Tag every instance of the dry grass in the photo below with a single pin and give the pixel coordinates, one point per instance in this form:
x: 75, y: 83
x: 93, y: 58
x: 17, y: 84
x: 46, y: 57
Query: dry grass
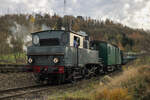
x: 113, y: 94
x: 75, y: 98
x: 133, y: 84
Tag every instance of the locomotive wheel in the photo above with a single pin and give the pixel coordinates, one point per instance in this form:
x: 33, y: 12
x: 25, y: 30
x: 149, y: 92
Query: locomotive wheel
x: 105, y: 69
x: 98, y: 70
x: 58, y: 80
x: 87, y: 75
x: 40, y: 79
x: 73, y: 79
x: 36, y: 78
x: 119, y: 67
x: 90, y: 72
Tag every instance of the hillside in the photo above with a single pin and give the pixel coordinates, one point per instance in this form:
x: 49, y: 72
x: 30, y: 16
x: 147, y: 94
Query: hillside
x: 16, y: 29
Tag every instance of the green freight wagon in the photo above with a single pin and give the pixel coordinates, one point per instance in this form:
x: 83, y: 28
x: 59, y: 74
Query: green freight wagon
x: 109, y: 54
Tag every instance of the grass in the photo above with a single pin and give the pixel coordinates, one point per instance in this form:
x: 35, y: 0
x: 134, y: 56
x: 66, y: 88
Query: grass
x: 18, y: 58
x: 132, y: 84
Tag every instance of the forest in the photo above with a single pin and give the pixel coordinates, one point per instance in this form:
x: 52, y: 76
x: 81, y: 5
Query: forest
x: 16, y: 29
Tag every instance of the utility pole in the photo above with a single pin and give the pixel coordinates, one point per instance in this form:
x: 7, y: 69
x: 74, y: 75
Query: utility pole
x: 67, y: 19
x: 64, y: 7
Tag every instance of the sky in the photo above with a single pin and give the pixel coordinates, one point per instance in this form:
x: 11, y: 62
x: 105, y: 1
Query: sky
x: 133, y: 13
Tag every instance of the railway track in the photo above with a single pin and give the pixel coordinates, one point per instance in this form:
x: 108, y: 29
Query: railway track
x: 11, y: 93
x: 5, y: 68
x: 17, y: 92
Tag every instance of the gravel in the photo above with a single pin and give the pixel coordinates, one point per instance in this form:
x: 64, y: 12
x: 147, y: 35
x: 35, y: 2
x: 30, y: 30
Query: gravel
x: 16, y: 80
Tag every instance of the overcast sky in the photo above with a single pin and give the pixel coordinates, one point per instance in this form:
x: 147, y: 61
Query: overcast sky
x: 134, y: 13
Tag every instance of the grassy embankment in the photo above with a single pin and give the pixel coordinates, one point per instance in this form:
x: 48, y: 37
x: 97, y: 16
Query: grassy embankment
x: 132, y: 84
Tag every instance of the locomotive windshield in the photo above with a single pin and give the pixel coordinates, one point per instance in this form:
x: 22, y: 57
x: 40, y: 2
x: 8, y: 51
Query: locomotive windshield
x: 49, y: 42
x: 49, y: 38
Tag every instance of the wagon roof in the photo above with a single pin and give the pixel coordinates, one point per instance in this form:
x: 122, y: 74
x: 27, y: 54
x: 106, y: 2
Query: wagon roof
x: 78, y: 33
x: 97, y: 41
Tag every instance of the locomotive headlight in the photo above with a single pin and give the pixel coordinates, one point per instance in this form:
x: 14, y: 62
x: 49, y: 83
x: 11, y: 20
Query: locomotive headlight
x: 36, y: 39
x: 30, y: 60
x: 55, y: 60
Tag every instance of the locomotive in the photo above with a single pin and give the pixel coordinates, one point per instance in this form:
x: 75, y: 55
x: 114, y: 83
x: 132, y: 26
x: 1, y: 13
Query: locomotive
x: 59, y: 56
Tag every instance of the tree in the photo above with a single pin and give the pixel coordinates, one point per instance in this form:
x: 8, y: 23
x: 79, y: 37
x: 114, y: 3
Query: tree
x: 59, y: 24
x: 17, y: 48
x: 76, y: 27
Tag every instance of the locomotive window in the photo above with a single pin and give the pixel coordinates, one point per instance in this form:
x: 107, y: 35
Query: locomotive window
x: 76, y: 41
x: 49, y: 42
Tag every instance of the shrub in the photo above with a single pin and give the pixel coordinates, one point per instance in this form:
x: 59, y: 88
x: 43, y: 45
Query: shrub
x: 113, y: 94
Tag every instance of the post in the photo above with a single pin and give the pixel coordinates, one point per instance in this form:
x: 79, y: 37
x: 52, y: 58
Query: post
x: 77, y: 55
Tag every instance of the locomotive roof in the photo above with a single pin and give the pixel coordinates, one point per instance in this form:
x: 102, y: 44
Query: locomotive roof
x: 45, y: 31
x: 78, y: 33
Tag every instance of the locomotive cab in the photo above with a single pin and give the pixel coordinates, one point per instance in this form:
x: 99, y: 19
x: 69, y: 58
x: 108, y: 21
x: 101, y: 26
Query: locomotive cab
x: 60, y: 38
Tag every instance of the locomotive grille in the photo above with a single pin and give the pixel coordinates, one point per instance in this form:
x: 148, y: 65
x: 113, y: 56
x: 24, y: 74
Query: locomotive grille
x: 49, y: 42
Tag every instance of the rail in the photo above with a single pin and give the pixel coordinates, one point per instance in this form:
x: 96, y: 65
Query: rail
x: 6, y: 68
